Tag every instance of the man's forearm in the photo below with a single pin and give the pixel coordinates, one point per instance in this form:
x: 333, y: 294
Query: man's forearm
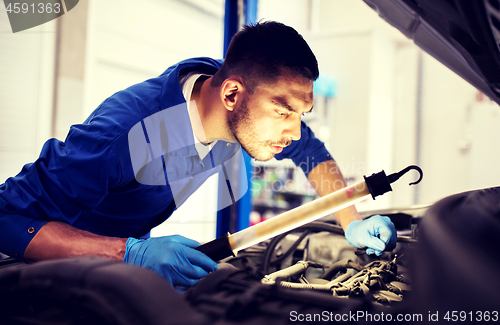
x: 327, y: 178
x: 60, y: 240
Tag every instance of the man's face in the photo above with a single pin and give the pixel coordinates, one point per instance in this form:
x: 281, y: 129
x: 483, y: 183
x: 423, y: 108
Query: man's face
x: 269, y: 119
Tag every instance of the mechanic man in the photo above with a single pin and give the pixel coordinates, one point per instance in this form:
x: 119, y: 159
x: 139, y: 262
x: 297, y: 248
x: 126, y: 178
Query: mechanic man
x: 144, y: 150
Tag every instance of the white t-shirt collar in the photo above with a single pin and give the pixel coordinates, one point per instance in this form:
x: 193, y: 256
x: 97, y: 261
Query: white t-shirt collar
x: 187, y: 82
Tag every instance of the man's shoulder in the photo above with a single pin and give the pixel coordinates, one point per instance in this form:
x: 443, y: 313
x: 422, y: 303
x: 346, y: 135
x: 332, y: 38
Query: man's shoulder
x: 202, y: 64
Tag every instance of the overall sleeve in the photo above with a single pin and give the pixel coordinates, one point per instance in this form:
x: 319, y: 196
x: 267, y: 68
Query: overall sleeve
x: 68, y: 177
x: 306, y: 153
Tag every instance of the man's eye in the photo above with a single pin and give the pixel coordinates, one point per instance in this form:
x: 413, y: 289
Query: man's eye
x: 281, y: 113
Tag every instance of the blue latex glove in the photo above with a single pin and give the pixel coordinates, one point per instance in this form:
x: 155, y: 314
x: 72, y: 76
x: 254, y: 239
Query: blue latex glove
x: 376, y: 234
x: 173, y: 257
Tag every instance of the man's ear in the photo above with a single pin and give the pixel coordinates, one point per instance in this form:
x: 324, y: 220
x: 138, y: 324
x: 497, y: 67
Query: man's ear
x: 231, y: 91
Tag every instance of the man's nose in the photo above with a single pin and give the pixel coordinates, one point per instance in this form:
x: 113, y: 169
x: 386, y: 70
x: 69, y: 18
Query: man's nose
x: 292, y: 131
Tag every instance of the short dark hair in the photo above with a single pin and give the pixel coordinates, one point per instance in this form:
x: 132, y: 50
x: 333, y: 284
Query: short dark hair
x: 259, y: 52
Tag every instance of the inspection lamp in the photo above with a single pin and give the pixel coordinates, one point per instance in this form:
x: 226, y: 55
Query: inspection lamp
x: 374, y: 185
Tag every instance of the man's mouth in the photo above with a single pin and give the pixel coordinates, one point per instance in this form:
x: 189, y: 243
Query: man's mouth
x: 276, y: 149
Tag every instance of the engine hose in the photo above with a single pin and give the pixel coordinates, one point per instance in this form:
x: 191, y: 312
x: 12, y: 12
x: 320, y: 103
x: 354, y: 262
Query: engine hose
x: 312, y: 226
x: 330, y: 286
x: 291, y: 249
x: 341, y: 265
x: 356, y: 277
x: 286, y: 273
x: 340, y: 278
x: 311, y: 286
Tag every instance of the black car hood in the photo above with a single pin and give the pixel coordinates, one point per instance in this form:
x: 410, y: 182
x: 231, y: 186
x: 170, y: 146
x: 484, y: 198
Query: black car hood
x: 464, y: 35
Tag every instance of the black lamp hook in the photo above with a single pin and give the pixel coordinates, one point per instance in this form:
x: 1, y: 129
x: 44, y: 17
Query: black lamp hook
x: 394, y: 177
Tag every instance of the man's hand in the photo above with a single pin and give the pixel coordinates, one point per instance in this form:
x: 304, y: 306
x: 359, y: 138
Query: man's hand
x: 376, y: 233
x: 173, y: 257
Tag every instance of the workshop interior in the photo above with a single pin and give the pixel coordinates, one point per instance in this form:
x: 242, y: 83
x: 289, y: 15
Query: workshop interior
x: 406, y: 102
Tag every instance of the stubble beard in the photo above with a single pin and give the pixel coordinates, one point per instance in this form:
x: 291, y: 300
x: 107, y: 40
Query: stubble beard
x: 242, y: 126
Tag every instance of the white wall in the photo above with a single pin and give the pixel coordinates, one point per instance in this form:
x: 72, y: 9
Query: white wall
x: 453, y: 120
x: 482, y: 134
x: 405, y: 121
x: 26, y: 80
x: 141, y: 42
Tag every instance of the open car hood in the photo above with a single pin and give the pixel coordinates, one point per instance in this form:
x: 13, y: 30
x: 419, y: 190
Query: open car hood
x: 464, y: 35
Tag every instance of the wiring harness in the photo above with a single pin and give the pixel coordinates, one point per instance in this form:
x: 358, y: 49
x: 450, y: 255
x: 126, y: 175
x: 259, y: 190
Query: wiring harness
x: 378, y: 279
